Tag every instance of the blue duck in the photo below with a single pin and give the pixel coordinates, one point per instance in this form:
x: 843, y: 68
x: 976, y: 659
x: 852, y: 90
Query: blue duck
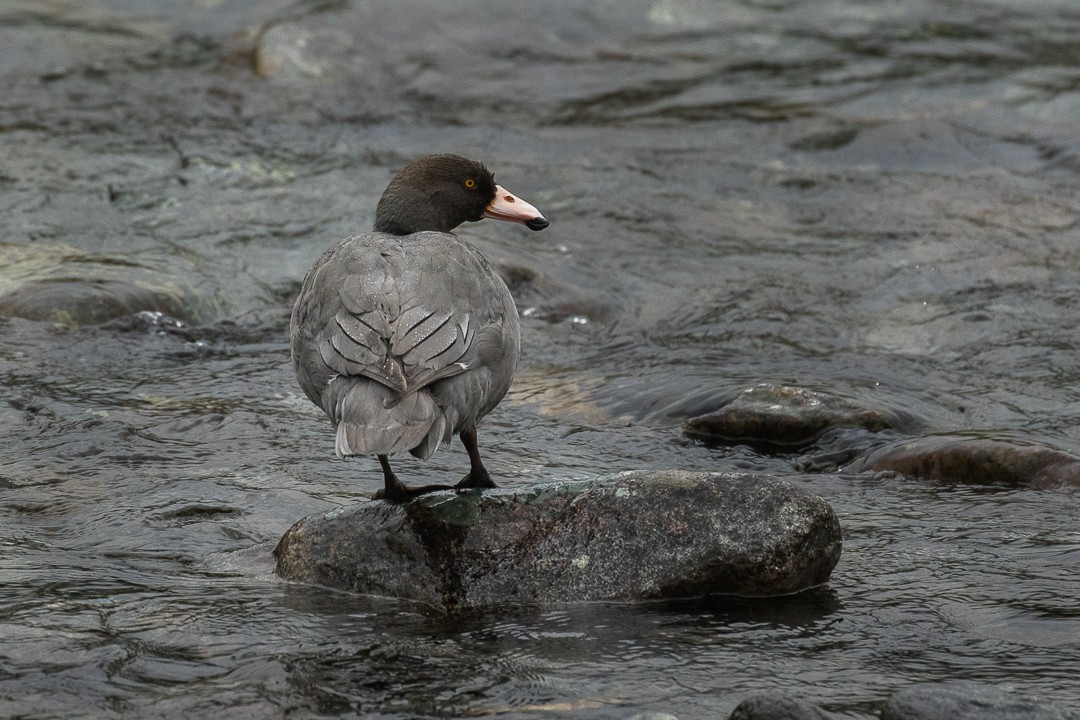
x: 406, y: 335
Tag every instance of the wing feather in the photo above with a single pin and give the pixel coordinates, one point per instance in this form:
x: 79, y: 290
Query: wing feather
x: 405, y: 313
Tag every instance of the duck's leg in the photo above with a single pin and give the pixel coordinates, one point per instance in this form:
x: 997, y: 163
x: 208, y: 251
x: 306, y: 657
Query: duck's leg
x: 393, y: 489
x: 478, y: 476
x: 396, y: 491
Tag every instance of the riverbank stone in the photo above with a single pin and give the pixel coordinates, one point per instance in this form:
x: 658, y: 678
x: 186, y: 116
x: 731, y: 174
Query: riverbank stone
x: 644, y: 535
x: 781, y: 417
x: 958, y: 458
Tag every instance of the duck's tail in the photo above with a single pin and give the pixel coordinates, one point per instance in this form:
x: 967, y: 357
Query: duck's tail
x: 372, y: 419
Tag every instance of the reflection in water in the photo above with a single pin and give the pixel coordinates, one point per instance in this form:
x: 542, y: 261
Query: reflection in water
x: 876, y: 201
x: 532, y: 659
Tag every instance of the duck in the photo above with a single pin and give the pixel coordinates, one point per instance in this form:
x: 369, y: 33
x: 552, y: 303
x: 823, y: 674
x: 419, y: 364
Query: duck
x: 406, y: 336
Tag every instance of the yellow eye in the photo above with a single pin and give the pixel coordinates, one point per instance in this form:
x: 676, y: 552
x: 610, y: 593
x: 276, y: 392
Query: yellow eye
x: 470, y: 183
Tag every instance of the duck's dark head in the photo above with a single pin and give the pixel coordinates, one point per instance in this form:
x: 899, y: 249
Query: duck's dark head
x: 439, y: 192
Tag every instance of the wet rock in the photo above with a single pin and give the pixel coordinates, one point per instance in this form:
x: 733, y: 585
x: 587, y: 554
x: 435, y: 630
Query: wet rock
x: 780, y: 707
x: 969, y: 701
x: 976, y: 460
x: 633, y: 536
x: 780, y: 417
x: 68, y: 287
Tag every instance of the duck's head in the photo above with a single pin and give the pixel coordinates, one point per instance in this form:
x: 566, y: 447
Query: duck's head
x: 439, y: 192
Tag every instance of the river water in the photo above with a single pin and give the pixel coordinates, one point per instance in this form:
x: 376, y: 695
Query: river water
x: 872, y: 198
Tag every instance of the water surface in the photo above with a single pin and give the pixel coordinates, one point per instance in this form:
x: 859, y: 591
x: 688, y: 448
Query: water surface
x: 874, y: 199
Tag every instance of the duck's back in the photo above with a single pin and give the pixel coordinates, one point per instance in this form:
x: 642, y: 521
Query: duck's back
x: 403, y: 340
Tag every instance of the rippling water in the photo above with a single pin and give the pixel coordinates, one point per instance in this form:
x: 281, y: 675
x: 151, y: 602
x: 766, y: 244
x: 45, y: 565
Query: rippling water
x: 875, y: 199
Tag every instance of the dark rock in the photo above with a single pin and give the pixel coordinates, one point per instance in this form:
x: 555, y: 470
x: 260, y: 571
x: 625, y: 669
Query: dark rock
x: 959, y: 458
x: 779, y: 417
x: 765, y: 707
x: 969, y: 701
x: 633, y: 536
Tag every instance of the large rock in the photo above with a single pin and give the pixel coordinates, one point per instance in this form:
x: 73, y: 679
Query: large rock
x: 633, y: 536
x: 958, y: 458
x: 969, y: 701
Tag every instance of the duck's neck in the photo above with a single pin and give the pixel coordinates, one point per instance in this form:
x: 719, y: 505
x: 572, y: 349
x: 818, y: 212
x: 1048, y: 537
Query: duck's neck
x: 404, y: 213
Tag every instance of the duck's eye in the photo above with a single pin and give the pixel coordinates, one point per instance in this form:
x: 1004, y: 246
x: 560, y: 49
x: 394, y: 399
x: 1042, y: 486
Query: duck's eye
x: 470, y: 183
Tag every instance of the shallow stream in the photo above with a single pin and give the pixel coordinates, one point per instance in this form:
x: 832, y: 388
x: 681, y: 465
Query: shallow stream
x: 873, y: 198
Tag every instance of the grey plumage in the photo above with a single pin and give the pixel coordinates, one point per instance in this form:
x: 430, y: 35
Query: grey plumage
x: 403, y: 341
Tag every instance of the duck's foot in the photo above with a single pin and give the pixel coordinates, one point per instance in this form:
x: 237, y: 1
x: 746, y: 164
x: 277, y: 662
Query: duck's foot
x: 476, y: 480
x: 395, y: 491
x: 405, y: 493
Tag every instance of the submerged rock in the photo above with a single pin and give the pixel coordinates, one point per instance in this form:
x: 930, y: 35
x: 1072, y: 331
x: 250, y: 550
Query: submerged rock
x: 633, y: 536
x: 68, y: 287
x: 969, y: 701
x: 85, y: 302
x: 554, y: 300
x: 779, y: 417
x: 976, y: 460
